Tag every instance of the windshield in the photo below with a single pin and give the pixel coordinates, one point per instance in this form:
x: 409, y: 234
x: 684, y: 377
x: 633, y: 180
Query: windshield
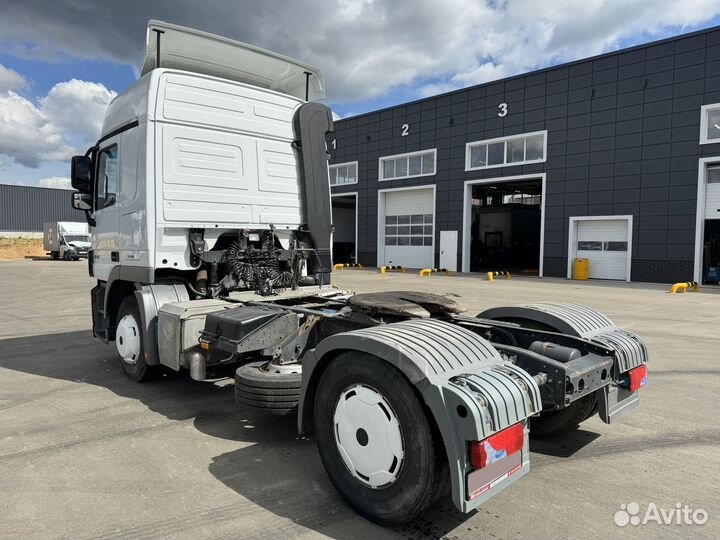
x: 76, y: 238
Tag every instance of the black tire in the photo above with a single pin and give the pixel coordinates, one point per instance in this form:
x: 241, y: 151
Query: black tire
x: 267, y: 406
x: 254, y: 375
x: 54, y: 255
x: 260, y: 390
x: 424, y: 473
x: 139, y: 371
x: 567, y: 419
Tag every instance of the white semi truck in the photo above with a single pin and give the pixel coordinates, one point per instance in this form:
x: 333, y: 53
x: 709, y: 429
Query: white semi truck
x: 67, y: 240
x: 209, y: 204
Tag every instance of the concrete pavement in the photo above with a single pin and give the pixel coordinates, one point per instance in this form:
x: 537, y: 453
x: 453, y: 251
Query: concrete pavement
x: 87, y: 453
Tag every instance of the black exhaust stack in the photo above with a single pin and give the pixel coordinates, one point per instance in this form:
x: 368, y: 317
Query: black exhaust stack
x: 312, y: 124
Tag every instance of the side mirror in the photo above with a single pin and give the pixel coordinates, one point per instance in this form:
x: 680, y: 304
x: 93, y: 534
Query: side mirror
x: 82, y: 201
x: 81, y: 174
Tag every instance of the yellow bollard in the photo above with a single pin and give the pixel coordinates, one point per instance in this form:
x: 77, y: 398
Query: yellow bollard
x: 341, y: 266
x: 683, y: 287
x: 429, y: 271
x: 492, y: 275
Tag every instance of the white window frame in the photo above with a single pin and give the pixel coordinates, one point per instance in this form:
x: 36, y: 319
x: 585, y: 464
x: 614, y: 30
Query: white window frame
x: 408, y: 155
x: 346, y: 164
x: 704, y: 110
x: 470, y: 145
x: 572, y: 239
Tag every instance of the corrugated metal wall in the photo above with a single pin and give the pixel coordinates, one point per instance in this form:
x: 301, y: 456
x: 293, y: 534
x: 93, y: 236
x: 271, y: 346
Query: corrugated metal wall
x: 26, y: 208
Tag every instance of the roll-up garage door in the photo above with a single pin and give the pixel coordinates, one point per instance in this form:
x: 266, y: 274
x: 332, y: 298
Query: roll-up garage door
x: 409, y: 228
x: 605, y: 243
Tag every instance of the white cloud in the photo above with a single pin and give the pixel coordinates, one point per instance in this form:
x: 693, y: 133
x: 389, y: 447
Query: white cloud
x: 366, y: 47
x: 55, y: 182
x: 10, y: 80
x: 32, y: 132
x: 78, y: 106
x: 336, y: 116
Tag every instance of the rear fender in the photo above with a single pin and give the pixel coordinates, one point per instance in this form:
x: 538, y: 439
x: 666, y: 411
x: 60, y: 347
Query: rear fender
x: 469, y: 390
x: 579, y: 321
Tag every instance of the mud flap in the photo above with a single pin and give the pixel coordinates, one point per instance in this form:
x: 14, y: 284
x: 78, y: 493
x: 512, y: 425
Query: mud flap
x: 614, y: 402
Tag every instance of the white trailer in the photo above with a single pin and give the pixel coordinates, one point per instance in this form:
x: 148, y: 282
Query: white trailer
x: 66, y: 240
x: 209, y: 203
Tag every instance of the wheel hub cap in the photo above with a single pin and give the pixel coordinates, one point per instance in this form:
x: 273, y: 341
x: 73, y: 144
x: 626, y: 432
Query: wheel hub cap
x: 127, y: 339
x: 368, y: 436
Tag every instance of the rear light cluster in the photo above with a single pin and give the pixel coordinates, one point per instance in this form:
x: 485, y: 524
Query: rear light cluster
x: 504, y: 443
x: 636, y: 378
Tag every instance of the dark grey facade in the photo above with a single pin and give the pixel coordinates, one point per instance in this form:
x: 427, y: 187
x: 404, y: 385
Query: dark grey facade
x: 26, y: 208
x: 623, y: 138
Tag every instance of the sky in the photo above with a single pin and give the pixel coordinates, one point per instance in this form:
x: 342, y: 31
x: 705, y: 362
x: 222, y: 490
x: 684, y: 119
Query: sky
x: 62, y: 61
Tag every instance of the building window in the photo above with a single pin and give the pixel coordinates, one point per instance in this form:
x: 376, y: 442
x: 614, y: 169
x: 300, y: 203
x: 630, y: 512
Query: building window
x: 710, y: 124
x: 713, y: 175
x: 343, y: 173
x: 506, y: 151
x: 408, y: 165
x: 409, y: 230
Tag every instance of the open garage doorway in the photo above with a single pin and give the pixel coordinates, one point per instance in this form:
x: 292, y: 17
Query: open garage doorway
x: 504, y: 225
x: 344, y: 220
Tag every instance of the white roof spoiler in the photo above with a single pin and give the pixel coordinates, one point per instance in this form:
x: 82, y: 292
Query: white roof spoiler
x: 199, y: 52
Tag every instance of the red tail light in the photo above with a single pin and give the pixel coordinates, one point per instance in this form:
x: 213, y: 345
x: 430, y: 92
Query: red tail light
x: 504, y: 443
x: 637, y: 378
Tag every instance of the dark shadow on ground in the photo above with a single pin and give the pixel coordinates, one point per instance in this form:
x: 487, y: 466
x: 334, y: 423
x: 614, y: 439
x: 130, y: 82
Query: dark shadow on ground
x: 563, y: 445
x: 281, y: 473
x: 287, y: 478
x: 78, y: 357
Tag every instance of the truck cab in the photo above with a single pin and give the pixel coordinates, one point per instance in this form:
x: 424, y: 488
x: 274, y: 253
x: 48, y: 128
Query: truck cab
x: 195, y: 158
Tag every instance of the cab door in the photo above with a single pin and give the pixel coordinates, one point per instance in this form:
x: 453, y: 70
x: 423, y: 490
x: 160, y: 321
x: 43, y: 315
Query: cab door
x: 106, y: 251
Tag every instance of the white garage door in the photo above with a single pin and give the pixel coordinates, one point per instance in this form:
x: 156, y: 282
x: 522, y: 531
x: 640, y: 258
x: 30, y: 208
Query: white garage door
x: 605, y: 243
x: 409, y: 222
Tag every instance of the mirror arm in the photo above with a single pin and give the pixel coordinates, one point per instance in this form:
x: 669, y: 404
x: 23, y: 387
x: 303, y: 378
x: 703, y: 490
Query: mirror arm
x: 89, y: 218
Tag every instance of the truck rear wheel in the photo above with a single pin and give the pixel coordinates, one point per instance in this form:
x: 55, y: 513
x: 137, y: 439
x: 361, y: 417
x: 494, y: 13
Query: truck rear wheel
x: 567, y: 419
x: 129, y: 342
x: 376, y: 441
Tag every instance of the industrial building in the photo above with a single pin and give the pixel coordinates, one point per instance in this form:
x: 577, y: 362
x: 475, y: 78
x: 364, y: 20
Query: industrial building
x: 615, y: 158
x: 24, y: 209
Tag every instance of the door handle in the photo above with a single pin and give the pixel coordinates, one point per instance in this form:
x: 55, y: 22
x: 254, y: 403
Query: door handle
x: 115, y: 256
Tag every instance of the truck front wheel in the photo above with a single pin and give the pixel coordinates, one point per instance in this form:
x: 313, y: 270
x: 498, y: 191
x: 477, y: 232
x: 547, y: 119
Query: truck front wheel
x: 129, y: 342
x: 376, y: 441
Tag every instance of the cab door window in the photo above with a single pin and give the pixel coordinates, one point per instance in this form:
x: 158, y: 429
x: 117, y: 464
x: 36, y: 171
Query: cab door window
x: 107, y: 177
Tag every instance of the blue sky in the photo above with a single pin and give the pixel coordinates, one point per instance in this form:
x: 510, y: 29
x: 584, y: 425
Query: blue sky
x: 374, y: 54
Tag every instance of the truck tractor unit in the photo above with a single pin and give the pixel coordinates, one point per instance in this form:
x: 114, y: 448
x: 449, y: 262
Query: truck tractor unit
x: 209, y: 204
x: 66, y: 240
